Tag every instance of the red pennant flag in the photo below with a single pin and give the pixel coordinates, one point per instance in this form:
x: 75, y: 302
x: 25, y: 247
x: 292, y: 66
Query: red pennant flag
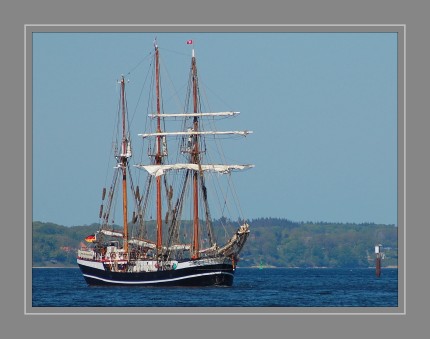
x: 189, y: 42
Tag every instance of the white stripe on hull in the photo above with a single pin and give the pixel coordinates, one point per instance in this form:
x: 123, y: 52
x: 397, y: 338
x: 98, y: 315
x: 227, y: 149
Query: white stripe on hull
x: 157, y: 281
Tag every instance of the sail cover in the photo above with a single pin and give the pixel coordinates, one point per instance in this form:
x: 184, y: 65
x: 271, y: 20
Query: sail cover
x: 157, y: 170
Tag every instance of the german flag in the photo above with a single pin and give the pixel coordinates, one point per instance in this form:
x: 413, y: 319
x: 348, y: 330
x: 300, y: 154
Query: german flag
x: 90, y: 238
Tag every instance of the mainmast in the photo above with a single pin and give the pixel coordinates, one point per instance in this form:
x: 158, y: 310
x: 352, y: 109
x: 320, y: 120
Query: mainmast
x: 195, y: 160
x: 158, y: 155
x: 125, y: 154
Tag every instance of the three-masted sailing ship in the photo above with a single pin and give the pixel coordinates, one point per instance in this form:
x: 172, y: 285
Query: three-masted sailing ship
x: 170, y: 249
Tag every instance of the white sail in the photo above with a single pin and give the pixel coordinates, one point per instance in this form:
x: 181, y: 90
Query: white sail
x: 188, y: 115
x: 157, y: 170
x: 161, y: 134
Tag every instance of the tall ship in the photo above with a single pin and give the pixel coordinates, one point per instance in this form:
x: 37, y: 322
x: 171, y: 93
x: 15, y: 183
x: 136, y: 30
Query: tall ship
x: 167, y: 236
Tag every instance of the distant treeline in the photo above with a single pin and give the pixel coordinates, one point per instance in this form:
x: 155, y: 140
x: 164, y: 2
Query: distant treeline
x: 272, y: 242
x: 283, y: 243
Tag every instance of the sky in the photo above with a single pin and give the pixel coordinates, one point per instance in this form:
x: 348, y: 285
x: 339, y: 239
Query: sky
x: 322, y: 108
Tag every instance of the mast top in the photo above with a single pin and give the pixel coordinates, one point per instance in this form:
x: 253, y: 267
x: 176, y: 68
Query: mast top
x: 191, y: 42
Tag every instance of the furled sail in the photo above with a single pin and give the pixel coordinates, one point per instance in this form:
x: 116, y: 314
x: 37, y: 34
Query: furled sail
x: 143, y: 243
x: 191, y: 132
x: 150, y: 244
x: 157, y: 170
x: 235, y: 244
x: 185, y: 247
x: 112, y: 233
x: 190, y: 115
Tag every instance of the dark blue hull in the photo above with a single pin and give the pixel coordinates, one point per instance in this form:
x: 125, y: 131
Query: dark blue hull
x: 206, y: 275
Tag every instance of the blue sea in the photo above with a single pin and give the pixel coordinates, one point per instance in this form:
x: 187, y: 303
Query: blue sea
x: 252, y: 287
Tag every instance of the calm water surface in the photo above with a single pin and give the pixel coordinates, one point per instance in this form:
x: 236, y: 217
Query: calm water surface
x: 279, y: 287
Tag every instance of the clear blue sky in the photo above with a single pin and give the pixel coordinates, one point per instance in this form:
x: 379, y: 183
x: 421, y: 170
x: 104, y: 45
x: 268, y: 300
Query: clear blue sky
x: 323, y: 108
